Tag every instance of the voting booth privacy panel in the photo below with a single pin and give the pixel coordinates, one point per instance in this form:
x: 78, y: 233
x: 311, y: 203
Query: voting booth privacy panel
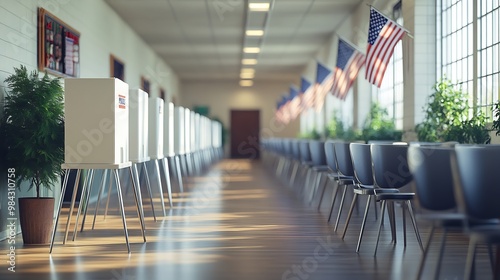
x: 138, y: 125
x: 156, y: 127
x: 96, y: 121
x: 179, y: 141
x: 168, y: 132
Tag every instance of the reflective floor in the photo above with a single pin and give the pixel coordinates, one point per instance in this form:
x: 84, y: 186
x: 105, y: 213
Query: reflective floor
x: 236, y: 222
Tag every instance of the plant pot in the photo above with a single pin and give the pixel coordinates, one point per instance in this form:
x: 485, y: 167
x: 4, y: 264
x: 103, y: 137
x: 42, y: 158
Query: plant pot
x: 36, y: 218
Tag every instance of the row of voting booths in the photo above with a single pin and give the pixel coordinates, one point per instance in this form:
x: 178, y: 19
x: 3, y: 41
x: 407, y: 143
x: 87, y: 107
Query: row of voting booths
x: 124, y: 137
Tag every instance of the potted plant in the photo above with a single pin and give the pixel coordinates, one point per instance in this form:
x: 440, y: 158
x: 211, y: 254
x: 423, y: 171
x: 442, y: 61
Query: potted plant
x: 33, y: 130
x: 447, y: 117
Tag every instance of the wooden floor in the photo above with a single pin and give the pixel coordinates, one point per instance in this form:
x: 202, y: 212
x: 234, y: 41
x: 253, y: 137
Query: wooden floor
x: 236, y: 222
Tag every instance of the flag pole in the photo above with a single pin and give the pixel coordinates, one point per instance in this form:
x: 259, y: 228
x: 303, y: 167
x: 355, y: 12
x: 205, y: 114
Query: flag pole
x: 388, y: 18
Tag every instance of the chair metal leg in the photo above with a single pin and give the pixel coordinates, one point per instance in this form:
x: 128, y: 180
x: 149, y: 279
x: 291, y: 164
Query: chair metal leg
x: 294, y: 173
x: 122, y: 208
x: 375, y: 206
x: 340, y: 209
x: 322, y: 193
x: 392, y: 220
x: 101, y: 190
x: 148, y: 186
x: 314, y: 189
x: 334, y: 197
x: 380, y: 226
x: 354, y: 200
x: 403, y: 212
x: 441, y: 251
x: 424, y: 255
x: 414, y: 222
x: 59, y: 207
x: 469, y: 264
x: 361, y: 231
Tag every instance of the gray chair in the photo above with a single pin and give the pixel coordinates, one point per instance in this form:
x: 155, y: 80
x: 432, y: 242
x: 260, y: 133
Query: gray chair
x: 390, y: 171
x: 475, y: 176
x: 431, y: 170
x: 362, y: 164
x: 318, y: 167
x: 345, y: 169
x: 334, y: 175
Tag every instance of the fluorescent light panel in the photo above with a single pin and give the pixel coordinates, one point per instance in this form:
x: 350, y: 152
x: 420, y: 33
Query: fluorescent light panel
x: 259, y: 7
x: 249, y: 61
x: 255, y: 32
x: 246, y: 83
x: 247, y: 75
x: 248, y: 70
x: 251, y: 50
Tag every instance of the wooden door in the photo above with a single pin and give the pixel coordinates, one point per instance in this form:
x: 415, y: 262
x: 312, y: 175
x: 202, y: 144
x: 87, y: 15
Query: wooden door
x: 245, y: 127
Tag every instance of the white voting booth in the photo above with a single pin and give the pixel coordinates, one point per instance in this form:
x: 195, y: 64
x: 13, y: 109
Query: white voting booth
x: 169, y: 148
x: 139, y: 126
x: 96, y: 122
x: 156, y: 126
x: 96, y: 138
x: 180, y: 134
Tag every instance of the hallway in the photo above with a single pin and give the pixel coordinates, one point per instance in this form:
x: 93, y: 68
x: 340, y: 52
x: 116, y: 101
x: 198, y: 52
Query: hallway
x: 235, y: 223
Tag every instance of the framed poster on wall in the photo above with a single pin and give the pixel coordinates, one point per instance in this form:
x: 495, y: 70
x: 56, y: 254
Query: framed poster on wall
x: 58, y: 46
x: 117, y: 68
x: 145, y: 85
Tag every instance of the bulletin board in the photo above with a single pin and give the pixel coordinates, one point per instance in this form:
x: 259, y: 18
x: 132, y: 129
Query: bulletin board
x: 58, y: 46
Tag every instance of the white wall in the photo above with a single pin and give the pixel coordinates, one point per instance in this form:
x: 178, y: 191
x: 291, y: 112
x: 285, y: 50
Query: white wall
x: 222, y: 97
x: 103, y: 33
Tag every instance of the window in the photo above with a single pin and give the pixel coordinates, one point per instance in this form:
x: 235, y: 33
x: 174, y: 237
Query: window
x: 469, y: 32
x: 390, y: 93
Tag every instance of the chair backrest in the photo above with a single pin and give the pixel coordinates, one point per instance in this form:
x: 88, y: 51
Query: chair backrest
x: 317, y: 149
x: 477, y: 183
x: 287, y: 146
x: 305, y: 154
x: 296, y: 149
x: 362, y: 163
x: 344, y: 161
x: 431, y: 170
x: 390, y: 165
x: 331, y: 161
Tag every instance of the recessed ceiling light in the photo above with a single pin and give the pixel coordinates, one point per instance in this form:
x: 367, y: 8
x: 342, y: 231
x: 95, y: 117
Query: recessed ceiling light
x: 249, y: 61
x: 259, y: 7
x: 251, y: 50
x: 247, y: 75
x: 248, y: 70
x: 255, y: 32
x: 246, y: 83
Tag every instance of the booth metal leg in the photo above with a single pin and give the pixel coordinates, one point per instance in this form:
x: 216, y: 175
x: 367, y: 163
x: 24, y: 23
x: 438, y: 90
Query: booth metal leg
x: 122, y: 209
x: 160, y: 187
x: 72, y: 206
x: 167, y: 180
x: 61, y: 199
x: 148, y: 185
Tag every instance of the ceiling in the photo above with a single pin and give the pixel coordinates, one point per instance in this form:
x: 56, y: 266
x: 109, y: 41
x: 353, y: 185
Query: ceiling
x: 204, y: 39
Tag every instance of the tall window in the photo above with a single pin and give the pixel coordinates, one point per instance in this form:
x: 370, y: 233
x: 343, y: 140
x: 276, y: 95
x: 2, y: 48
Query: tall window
x: 390, y: 93
x: 469, y: 32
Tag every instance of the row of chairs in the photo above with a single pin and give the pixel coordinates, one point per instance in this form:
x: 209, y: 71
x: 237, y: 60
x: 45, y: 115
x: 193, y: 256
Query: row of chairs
x: 454, y: 185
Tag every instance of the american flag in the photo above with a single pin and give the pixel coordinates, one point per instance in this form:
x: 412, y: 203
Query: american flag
x: 324, y: 83
x: 294, y: 107
x: 280, y: 114
x: 349, y: 62
x: 307, y: 92
x: 383, y: 35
